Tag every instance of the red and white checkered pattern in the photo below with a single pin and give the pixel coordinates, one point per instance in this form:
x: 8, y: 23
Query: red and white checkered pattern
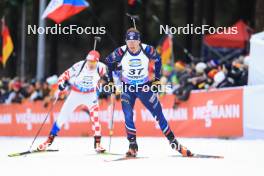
x: 96, y: 126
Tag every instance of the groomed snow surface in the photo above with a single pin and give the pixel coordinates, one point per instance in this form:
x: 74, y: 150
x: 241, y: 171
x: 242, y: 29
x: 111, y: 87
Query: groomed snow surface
x: 76, y: 157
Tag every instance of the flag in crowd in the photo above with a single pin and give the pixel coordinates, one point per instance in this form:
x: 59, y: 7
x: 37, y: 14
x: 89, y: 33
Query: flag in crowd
x: 165, y: 49
x: 7, y: 43
x: 60, y: 10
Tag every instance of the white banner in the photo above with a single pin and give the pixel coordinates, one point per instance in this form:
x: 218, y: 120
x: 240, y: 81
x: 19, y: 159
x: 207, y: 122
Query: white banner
x: 253, y: 99
x: 256, y: 60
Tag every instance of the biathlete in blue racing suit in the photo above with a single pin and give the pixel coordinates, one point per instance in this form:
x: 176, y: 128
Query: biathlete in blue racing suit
x: 133, y: 60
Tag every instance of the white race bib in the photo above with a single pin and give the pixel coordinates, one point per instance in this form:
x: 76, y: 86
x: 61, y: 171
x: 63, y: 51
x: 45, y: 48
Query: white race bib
x: 135, y: 68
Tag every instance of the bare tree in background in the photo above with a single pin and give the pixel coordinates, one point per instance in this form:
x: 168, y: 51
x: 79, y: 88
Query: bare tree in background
x: 259, y: 16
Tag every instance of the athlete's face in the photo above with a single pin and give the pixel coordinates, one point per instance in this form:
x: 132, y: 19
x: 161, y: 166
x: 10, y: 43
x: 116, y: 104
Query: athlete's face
x: 133, y: 45
x: 91, y: 65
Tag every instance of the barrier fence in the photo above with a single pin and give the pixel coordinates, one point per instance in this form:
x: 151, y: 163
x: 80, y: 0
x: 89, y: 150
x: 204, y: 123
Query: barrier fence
x: 216, y: 113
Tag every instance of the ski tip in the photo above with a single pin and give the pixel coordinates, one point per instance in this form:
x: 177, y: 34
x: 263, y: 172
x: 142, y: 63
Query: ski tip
x: 52, y: 150
x: 199, y: 156
x: 109, y: 153
x: 30, y: 152
x: 106, y: 153
x: 208, y: 156
x: 13, y: 154
x: 125, y: 158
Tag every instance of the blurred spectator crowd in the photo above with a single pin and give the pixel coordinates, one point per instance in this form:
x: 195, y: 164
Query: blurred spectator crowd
x: 17, y: 90
x: 204, y: 75
x: 182, y: 77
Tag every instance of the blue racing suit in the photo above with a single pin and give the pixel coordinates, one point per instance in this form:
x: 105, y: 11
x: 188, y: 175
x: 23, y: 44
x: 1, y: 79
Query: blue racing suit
x: 134, y: 72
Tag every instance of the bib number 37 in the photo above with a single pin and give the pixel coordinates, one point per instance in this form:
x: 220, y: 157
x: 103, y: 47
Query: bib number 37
x: 135, y: 71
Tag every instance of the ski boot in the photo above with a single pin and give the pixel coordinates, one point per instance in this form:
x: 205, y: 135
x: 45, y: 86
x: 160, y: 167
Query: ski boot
x: 133, y: 148
x: 97, y: 145
x: 180, y: 148
x: 46, y: 144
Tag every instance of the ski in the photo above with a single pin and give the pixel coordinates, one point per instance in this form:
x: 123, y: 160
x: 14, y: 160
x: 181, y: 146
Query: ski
x: 109, y: 153
x: 125, y: 158
x: 106, y: 154
x: 31, y: 152
x: 208, y: 156
x: 200, y: 156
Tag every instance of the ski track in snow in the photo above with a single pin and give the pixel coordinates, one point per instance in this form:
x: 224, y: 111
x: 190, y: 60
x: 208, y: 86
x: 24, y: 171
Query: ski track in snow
x: 77, y: 157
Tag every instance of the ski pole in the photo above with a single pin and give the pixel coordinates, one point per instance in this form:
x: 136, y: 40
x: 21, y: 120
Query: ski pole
x: 111, y: 121
x: 96, y: 39
x: 44, y: 121
x: 133, y: 18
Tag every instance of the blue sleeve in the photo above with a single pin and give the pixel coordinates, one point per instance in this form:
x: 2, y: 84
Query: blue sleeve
x: 153, y: 55
x: 112, y: 60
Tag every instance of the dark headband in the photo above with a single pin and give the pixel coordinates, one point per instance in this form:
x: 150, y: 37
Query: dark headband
x: 132, y: 35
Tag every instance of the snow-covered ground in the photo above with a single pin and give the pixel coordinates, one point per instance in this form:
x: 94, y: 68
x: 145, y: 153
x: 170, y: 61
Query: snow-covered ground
x: 76, y: 157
